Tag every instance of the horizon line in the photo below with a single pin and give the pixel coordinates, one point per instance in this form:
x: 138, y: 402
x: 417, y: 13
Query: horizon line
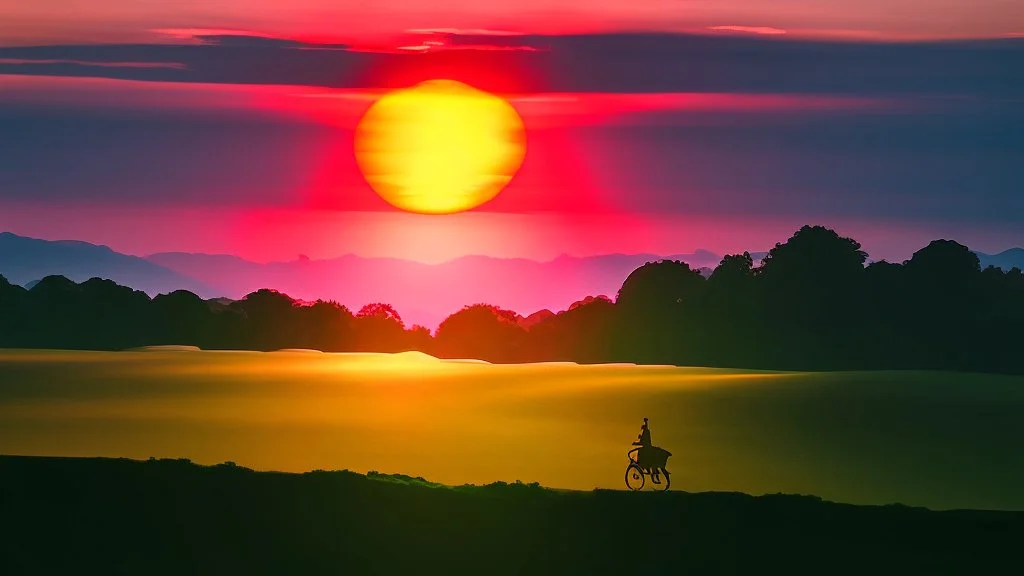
x: 563, y: 255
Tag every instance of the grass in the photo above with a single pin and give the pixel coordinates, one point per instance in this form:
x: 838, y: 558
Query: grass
x: 85, y: 516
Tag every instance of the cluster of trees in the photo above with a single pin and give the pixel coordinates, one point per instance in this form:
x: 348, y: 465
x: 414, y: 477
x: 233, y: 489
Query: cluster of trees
x: 811, y: 304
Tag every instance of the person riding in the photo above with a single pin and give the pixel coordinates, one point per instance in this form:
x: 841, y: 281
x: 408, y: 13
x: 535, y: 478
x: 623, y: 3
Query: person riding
x: 644, y: 439
x: 644, y: 442
x: 650, y: 458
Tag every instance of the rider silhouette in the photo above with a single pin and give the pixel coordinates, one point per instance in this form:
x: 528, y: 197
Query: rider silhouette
x: 644, y: 442
x: 650, y: 458
x: 644, y: 439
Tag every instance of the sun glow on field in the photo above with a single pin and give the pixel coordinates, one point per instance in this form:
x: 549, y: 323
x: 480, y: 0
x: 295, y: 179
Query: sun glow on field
x: 861, y: 437
x: 439, y: 147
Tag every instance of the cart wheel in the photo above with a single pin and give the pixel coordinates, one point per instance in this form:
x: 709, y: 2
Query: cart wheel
x: 634, y: 477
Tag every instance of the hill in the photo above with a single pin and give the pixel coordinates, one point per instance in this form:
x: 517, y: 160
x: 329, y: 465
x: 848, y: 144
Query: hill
x: 25, y: 261
x: 117, y: 516
x: 1007, y: 259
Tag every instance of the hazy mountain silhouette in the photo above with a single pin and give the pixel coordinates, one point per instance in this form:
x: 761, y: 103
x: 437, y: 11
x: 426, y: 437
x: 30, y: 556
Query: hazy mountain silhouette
x: 1007, y: 259
x: 519, y: 284
x: 25, y: 261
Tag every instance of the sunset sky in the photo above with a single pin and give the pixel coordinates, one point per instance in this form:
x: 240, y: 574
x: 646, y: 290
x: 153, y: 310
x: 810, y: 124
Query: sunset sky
x: 722, y: 125
x: 104, y: 20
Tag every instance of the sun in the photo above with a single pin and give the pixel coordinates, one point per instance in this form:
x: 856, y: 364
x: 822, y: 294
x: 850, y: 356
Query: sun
x: 439, y: 147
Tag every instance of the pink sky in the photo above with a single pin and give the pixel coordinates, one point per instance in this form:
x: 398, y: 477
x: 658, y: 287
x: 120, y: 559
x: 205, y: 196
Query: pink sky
x: 567, y: 199
x: 117, y: 20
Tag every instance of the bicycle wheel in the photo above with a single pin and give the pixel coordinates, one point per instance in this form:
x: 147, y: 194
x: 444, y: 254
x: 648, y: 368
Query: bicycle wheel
x: 634, y: 477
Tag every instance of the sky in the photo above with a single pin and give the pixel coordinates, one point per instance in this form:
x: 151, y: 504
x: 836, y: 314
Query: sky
x: 101, y: 20
x: 652, y: 126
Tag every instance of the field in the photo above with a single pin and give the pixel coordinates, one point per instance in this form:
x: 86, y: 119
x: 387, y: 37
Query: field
x: 940, y: 440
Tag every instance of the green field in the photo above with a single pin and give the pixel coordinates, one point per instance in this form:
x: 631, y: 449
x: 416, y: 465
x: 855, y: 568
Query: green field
x: 941, y: 440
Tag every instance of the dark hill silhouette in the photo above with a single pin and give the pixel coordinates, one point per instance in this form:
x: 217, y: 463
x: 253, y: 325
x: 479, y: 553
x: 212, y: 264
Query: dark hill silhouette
x: 117, y: 516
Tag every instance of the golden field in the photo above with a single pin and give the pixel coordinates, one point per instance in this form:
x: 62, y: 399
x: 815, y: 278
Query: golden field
x: 941, y: 440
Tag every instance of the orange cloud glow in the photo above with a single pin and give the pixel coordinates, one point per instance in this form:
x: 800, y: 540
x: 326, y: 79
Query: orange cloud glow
x: 764, y: 30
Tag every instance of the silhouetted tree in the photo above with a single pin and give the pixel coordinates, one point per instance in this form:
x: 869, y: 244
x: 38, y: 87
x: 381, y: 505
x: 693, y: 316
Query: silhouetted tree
x: 326, y: 326
x: 731, y: 329
x: 112, y: 314
x: 812, y: 298
x: 659, y: 305
x: 181, y: 318
x: 270, y: 320
x: 886, y: 296
x: 55, y: 303
x: 481, y: 331
x: 582, y: 333
x: 420, y: 338
x: 944, y: 281
x: 14, y: 313
x: 379, y: 328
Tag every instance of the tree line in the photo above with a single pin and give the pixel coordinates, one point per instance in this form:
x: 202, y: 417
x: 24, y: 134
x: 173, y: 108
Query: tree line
x: 810, y: 304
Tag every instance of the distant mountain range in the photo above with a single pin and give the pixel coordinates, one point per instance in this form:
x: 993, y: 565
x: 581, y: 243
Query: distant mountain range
x: 1007, y: 259
x: 422, y: 293
x: 25, y: 260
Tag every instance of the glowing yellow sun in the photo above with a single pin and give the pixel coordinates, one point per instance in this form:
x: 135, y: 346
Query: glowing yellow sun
x: 439, y: 147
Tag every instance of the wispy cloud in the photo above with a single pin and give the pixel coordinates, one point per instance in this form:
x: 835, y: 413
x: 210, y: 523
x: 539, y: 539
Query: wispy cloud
x: 143, y: 65
x: 436, y: 46
x: 437, y: 39
x: 763, y: 30
x: 643, y: 63
x: 197, y: 34
x: 464, y: 31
